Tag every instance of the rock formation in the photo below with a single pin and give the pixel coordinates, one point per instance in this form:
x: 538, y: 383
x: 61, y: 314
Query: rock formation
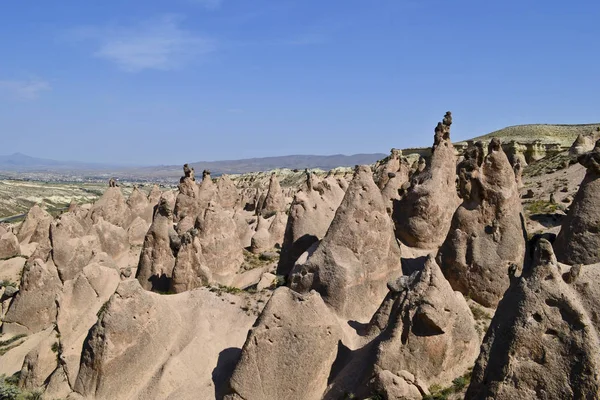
x: 311, y: 213
x: 190, y: 269
x: 289, y: 352
x: 36, y: 227
x: 486, y: 236
x: 424, y: 213
x: 112, y: 207
x: 581, y: 145
x: 578, y: 241
x: 274, y: 201
x: 358, y: 255
x: 541, y: 343
x: 148, y: 346
x: 161, y: 244
x: 227, y: 193
x: 9, y: 245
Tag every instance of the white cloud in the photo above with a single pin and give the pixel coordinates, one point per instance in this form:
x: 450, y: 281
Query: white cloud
x: 24, y: 90
x: 160, y: 44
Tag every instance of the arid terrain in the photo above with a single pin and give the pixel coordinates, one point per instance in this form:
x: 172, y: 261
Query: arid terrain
x: 466, y: 270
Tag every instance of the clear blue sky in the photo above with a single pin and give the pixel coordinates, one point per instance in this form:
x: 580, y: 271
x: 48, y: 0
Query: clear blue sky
x: 172, y: 81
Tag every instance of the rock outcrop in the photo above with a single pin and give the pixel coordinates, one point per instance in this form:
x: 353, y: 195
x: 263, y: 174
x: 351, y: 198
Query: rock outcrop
x: 148, y: 346
x: 161, y: 244
x: 289, y: 352
x: 358, y: 255
x: 34, y: 306
x: 227, y: 193
x: 36, y: 227
x: 112, y: 207
x: 274, y: 201
x: 542, y: 343
x: 311, y: 213
x: 424, y: 213
x: 9, y: 245
x: 486, y: 236
x: 578, y: 241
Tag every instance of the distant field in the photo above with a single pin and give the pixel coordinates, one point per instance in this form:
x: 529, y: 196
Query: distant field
x: 17, y: 197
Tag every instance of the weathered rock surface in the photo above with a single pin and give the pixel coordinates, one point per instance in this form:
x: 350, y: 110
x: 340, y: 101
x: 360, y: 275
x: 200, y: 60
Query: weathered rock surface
x: 311, y: 213
x: 578, y: 241
x: 112, y: 207
x: 113, y: 239
x: 541, y: 343
x: 9, y: 245
x: 227, y: 193
x: 139, y: 205
x: 137, y: 231
x: 269, y: 233
x: 426, y: 328
x: 424, y: 214
x: 486, y: 236
x: 36, y: 227
x: 161, y: 244
x: 148, y: 346
x: 190, y: 269
x: 359, y: 254
x: 289, y: 352
x: 274, y: 201
x: 34, y: 307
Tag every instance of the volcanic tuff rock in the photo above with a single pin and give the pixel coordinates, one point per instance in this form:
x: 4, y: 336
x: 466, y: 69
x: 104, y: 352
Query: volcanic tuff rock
x: 217, y: 235
x: 190, y: 269
x: 34, y: 307
x: 274, y: 200
x: 269, y: 233
x: 9, y: 245
x: 36, y: 227
x: 139, y: 205
x: 424, y: 213
x: 227, y: 193
x: 148, y: 346
x: 112, y: 207
x: 357, y: 256
x: 541, y: 343
x: 579, y: 239
x: 486, y: 236
x: 311, y: 213
x: 289, y: 352
x: 426, y: 329
x: 582, y: 145
x: 158, y: 252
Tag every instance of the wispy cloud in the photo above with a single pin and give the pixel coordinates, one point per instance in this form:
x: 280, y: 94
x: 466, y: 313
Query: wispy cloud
x: 210, y: 4
x: 24, y: 90
x: 160, y: 44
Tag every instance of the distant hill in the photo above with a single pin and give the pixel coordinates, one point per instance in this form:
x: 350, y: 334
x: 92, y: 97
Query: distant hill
x: 22, y: 162
x: 564, y: 135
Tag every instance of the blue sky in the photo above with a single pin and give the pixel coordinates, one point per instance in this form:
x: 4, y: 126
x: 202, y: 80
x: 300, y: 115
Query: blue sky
x: 174, y: 81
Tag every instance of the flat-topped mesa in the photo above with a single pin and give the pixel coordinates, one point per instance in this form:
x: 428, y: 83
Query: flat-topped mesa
x: 274, y: 201
x: 486, y: 235
x: 311, y: 213
x: 424, y: 213
x: 350, y: 267
x: 579, y: 238
x: 543, y: 340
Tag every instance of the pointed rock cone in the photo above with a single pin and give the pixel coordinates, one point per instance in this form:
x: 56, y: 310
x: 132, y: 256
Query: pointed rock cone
x: 161, y: 244
x: 112, y: 207
x: 154, y: 195
x: 227, y: 193
x: 359, y: 254
x: 137, y: 202
x: 311, y: 213
x: 541, y: 342
x: 426, y: 329
x: 581, y: 145
x: 289, y: 352
x: 424, y: 214
x: 486, y: 236
x: 578, y: 241
x: 274, y: 201
x: 36, y: 227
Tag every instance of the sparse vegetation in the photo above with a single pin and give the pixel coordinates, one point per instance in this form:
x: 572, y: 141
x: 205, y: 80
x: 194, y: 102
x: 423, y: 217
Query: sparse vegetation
x: 13, y: 339
x: 458, y: 384
x: 541, y: 207
x: 9, y: 389
x: 478, y: 312
x: 220, y: 289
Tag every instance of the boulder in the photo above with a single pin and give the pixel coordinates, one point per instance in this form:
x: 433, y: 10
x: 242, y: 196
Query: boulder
x: 358, y: 255
x: 541, y: 343
x: 311, y: 213
x: 289, y: 352
x: 578, y: 241
x: 9, y: 245
x: 424, y: 214
x: 486, y: 237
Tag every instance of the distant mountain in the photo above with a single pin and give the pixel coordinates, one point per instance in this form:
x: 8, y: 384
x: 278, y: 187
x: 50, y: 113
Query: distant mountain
x: 18, y: 163
x: 22, y: 162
